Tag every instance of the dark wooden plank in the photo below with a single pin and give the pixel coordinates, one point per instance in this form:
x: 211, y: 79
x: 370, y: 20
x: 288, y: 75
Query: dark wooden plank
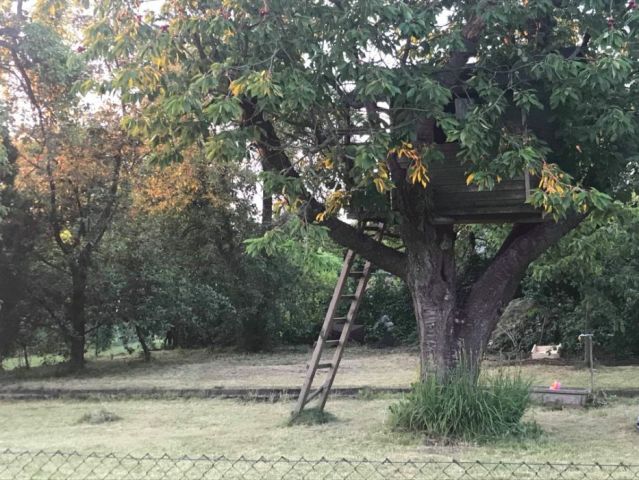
x: 495, y: 219
x: 457, y: 187
x: 474, y: 203
x: 486, y: 211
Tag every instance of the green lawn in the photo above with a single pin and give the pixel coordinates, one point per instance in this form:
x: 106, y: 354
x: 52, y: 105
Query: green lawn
x: 237, y: 428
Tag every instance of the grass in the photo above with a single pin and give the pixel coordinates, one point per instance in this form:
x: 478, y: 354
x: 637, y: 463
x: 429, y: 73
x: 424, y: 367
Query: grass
x: 360, y: 429
x: 464, y: 408
x: 53, y: 359
x: 360, y: 367
x: 310, y: 417
x: 101, y: 415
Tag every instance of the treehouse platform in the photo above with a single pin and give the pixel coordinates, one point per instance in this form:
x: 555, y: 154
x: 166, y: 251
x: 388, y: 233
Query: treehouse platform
x: 456, y: 202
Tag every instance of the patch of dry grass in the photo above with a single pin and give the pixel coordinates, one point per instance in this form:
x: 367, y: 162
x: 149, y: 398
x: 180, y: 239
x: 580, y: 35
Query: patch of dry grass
x: 98, y: 416
x: 360, y: 367
x: 234, y: 428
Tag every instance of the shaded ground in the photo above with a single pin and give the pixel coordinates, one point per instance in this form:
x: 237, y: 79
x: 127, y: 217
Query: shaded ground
x: 284, y: 369
x: 246, y: 428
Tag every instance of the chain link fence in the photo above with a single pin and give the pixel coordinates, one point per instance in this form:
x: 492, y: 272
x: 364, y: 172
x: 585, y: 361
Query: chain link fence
x: 17, y: 465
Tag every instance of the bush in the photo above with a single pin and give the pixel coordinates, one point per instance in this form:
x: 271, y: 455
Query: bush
x: 388, y: 298
x: 464, y: 408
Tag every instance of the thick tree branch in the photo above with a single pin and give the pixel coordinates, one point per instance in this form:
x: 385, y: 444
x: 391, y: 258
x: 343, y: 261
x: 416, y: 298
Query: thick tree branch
x: 274, y: 158
x: 499, y: 282
x: 382, y: 256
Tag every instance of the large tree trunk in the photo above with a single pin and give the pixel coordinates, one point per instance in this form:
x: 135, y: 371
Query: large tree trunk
x: 76, y: 314
x: 430, y: 276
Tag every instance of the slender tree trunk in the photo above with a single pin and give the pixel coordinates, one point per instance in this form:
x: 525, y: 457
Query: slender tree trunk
x: 26, y: 357
x: 143, y: 344
x: 267, y: 209
x: 76, y: 314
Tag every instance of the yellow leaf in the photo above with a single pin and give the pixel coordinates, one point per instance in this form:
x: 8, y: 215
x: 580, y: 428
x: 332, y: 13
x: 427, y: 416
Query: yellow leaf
x: 327, y: 163
x: 236, y: 88
x: 66, y: 236
x: 469, y: 178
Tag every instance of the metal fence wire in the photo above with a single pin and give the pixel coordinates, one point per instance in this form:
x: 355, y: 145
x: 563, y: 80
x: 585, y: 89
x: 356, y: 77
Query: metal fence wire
x: 23, y: 464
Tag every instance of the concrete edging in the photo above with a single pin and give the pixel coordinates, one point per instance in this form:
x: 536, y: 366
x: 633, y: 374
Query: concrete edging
x: 264, y: 394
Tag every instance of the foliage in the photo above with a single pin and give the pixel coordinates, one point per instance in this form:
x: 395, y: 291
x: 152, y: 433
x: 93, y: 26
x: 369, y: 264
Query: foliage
x: 388, y: 297
x: 202, y: 68
x: 589, y: 283
x: 464, y: 408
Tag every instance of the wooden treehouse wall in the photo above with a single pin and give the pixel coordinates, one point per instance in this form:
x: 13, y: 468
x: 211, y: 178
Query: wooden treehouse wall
x: 456, y: 202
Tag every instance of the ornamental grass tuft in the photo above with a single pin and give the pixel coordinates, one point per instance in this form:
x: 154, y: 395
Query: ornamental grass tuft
x: 464, y: 408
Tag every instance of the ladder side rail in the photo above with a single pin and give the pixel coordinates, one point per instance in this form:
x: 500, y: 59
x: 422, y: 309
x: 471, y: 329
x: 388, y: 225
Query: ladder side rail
x: 350, y: 320
x: 326, y: 329
x: 343, y: 339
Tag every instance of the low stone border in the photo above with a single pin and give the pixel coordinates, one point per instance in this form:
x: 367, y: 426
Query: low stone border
x: 263, y: 394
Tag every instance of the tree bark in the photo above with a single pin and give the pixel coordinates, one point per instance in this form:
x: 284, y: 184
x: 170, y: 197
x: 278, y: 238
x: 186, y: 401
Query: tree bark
x: 267, y: 209
x: 76, y: 313
x: 430, y: 277
x: 143, y: 344
x: 25, y: 353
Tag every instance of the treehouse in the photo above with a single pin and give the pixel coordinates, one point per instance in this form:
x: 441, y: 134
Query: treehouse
x: 453, y: 200
x: 456, y: 202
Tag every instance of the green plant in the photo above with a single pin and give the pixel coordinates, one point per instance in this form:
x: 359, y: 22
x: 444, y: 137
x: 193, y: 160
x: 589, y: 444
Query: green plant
x: 465, y: 408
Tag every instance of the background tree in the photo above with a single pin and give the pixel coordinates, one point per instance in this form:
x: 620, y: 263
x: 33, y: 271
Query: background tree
x: 15, y: 245
x: 328, y: 94
x: 589, y: 284
x: 71, y: 158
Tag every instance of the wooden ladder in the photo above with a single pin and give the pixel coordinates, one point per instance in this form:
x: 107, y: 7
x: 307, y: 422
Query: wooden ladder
x: 317, y: 363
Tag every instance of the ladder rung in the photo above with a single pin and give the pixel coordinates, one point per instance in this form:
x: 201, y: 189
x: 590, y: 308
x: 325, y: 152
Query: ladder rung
x: 314, y: 394
x: 356, y: 274
x: 328, y: 343
x: 324, y: 365
x: 350, y: 296
x: 340, y: 319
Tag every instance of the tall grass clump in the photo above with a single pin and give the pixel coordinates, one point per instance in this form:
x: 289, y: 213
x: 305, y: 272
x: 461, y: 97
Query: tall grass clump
x: 464, y: 408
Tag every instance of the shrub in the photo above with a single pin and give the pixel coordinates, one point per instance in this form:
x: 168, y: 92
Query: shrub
x: 464, y: 408
x: 388, y: 297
